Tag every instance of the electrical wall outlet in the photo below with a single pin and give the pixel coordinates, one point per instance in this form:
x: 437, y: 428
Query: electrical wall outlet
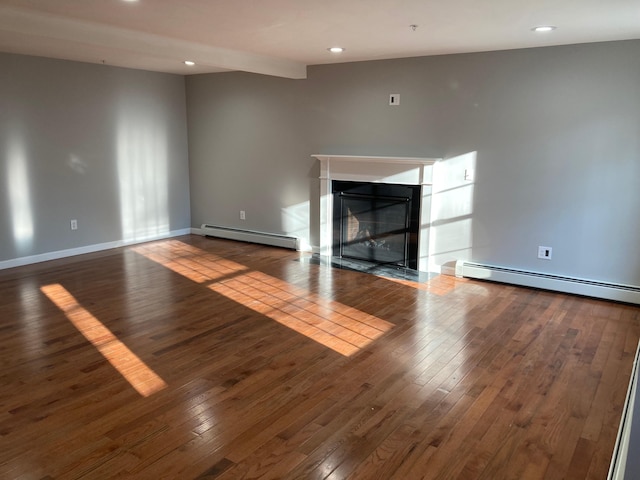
x: 74, y: 224
x: 243, y: 216
x: 545, y: 253
x: 468, y: 174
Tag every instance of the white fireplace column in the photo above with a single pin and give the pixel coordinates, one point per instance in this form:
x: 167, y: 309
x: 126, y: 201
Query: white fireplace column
x: 395, y: 170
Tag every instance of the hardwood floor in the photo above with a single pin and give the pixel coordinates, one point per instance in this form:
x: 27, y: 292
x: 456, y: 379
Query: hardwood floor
x: 196, y: 358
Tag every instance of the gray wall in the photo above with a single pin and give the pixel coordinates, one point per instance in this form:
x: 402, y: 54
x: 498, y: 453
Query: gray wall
x: 552, y: 135
x: 106, y: 146
x: 250, y: 152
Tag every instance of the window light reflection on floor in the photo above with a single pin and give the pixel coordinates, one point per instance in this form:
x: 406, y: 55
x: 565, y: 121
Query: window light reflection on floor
x: 135, y: 371
x: 344, y: 329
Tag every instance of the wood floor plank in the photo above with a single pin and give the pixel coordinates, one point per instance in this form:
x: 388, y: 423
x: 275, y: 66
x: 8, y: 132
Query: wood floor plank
x: 276, y: 367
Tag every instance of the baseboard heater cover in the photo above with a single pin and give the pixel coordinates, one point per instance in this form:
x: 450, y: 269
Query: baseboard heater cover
x: 271, y: 239
x: 578, y: 286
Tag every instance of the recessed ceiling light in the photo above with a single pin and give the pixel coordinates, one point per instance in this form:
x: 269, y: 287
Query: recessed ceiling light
x: 189, y: 62
x: 544, y: 28
x: 336, y: 49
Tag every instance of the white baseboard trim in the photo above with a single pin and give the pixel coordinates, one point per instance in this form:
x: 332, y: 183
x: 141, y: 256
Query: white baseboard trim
x: 45, y: 257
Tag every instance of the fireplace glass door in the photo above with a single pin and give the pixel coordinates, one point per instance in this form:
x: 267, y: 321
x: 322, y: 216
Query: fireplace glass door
x: 374, y: 228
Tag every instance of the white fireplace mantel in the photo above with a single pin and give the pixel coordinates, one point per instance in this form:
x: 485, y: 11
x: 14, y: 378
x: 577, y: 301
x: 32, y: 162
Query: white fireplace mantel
x: 396, y: 170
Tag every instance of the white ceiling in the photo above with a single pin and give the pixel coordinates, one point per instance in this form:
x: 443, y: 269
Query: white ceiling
x: 282, y: 37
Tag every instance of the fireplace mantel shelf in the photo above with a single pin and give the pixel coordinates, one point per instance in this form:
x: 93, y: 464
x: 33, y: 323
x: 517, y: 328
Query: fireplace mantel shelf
x: 377, y: 159
x: 406, y: 170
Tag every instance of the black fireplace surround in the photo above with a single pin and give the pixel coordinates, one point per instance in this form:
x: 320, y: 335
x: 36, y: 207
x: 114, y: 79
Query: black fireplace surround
x: 376, y: 222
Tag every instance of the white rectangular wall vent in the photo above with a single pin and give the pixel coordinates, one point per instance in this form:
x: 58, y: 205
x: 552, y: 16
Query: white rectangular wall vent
x: 578, y: 286
x: 272, y: 239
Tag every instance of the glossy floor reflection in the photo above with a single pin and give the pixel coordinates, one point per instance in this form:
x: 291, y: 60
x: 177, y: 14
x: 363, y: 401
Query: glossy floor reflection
x: 257, y: 362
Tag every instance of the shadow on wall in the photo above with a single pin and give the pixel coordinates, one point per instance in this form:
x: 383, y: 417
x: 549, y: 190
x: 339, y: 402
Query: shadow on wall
x: 451, y: 233
x: 142, y: 173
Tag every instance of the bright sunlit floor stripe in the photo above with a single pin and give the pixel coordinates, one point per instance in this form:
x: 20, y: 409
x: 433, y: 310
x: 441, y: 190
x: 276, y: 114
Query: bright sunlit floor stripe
x: 134, y: 370
x: 332, y: 324
x: 346, y: 334
x: 189, y: 261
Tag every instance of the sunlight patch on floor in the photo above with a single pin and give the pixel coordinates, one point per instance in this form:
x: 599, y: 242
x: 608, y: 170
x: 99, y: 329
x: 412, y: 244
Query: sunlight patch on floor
x: 135, y: 371
x: 440, y: 285
x: 190, y: 262
x: 344, y: 329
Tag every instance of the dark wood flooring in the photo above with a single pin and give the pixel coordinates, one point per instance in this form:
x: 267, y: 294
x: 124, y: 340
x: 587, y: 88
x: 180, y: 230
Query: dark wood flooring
x: 196, y: 358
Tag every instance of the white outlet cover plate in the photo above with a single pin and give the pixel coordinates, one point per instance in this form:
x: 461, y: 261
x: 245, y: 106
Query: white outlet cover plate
x: 394, y: 99
x: 545, y: 253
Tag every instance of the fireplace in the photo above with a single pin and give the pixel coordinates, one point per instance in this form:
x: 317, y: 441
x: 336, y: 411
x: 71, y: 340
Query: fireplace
x: 414, y: 174
x: 376, y: 222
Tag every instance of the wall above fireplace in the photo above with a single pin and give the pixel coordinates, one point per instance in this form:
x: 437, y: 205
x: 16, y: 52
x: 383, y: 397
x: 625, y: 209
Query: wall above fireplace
x: 374, y: 169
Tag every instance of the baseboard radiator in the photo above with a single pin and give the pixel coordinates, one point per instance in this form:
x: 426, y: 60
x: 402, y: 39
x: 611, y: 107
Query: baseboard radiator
x: 272, y: 239
x: 589, y: 288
